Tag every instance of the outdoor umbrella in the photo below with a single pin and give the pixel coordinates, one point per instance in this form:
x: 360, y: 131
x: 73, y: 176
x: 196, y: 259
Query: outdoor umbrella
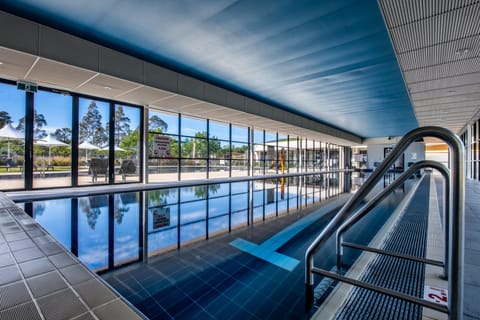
x: 10, y: 133
x: 50, y: 142
x: 87, y: 146
x: 117, y: 148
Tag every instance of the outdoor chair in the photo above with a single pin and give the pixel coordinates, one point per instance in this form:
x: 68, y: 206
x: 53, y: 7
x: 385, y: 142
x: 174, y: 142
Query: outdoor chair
x: 97, y: 167
x: 11, y: 164
x: 127, y: 167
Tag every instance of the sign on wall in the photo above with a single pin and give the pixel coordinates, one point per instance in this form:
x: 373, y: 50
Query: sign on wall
x: 161, y: 147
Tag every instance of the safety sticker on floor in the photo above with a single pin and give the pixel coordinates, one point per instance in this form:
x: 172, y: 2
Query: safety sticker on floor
x: 436, y: 295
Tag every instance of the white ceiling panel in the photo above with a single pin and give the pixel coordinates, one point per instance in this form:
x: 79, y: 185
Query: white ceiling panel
x: 445, y: 83
x: 58, y: 75
x: 107, y: 86
x: 446, y: 92
x: 15, y: 64
x: 452, y: 69
x: 438, y: 48
x: 143, y: 95
x: 451, y: 24
x: 175, y: 101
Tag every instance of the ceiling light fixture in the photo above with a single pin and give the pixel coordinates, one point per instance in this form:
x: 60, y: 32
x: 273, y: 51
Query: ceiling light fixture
x: 107, y: 88
x: 462, y: 51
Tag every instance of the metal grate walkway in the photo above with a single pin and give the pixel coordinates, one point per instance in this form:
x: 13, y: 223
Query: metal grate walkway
x: 408, y: 237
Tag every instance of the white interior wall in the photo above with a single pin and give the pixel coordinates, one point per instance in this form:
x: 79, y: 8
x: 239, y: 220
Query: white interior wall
x: 414, y: 153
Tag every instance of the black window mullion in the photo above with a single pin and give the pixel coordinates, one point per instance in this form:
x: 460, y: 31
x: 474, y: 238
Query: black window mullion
x: 75, y: 140
x: 178, y: 217
x: 179, y: 156
x: 29, y: 137
x: 142, y: 145
x: 206, y: 209
x: 74, y: 227
x: 111, y: 144
x: 230, y: 149
x: 111, y: 235
x: 207, y: 157
x: 141, y: 230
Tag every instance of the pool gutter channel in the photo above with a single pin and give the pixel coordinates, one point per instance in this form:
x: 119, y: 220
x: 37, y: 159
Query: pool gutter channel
x: 336, y: 301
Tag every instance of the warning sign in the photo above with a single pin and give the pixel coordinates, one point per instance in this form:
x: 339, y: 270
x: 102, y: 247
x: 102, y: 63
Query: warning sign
x: 436, y: 295
x: 161, y: 147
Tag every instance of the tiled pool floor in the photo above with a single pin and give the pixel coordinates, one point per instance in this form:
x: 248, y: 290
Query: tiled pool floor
x: 220, y: 279
x: 214, y: 280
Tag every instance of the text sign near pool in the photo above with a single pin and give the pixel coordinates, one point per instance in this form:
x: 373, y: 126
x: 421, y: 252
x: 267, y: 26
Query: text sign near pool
x: 436, y: 295
x: 161, y: 218
x: 161, y: 147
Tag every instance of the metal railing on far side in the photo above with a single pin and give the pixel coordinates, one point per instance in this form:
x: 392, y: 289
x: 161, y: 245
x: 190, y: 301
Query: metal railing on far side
x: 382, y: 195
x: 455, y: 232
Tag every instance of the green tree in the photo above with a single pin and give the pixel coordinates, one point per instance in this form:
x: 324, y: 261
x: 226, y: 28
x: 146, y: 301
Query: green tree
x: 38, y: 124
x: 215, y: 147
x: 156, y: 124
x: 91, y: 128
x: 63, y: 134
x: 122, y: 125
x: 131, y: 142
x: 5, y: 119
x: 197, y: 147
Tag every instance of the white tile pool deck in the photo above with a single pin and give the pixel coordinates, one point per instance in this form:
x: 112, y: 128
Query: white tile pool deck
x: 40, y: 279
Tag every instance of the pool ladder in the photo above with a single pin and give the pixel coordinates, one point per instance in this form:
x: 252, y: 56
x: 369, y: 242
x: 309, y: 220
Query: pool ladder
x: 453, y: 223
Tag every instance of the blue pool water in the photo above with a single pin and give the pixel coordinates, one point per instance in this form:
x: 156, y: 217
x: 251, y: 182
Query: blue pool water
x: 211, y: 279
x: 109, y: 230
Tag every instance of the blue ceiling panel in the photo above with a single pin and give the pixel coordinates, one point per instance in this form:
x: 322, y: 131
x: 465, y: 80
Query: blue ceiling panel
x: 331, y: 60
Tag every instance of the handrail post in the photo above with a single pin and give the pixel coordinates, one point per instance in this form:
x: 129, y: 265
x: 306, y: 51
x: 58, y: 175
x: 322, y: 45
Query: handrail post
x: 456, y: 228
x: 384, y: 193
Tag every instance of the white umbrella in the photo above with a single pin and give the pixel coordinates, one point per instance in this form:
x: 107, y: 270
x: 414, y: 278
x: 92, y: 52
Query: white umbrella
x: 87, y: 146
x: 10, y: 133
x: 50, y: 142
x: 117, y: 148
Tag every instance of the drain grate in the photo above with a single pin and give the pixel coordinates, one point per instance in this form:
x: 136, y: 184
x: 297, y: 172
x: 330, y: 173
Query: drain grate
x: 408, y: 237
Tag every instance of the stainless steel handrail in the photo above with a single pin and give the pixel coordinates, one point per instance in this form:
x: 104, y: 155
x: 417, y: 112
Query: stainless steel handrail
x: 385, y: 192
x: 456, y: 228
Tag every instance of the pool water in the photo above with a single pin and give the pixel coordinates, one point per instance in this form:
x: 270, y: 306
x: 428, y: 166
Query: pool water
x: 106, y: 231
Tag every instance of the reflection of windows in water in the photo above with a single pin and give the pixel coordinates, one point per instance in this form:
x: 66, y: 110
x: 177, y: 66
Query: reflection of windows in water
x: 161, y: 217
x: 98, y: 201
x: 128, y: 198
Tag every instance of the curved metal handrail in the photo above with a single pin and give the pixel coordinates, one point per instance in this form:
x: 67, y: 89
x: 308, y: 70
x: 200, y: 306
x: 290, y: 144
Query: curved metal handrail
x: 456, y: 229
x: 385, y: 192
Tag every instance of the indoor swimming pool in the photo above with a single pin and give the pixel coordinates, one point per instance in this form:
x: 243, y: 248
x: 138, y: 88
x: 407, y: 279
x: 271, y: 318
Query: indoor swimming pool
x: 132, y: 240
x: 109, y: 230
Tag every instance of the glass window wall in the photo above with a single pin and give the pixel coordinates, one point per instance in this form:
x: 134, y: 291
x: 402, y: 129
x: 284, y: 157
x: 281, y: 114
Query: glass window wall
x: 107, y: 138
x: 52, y: 151
x: 127, y: 144
x: 12, y: 137
x: 219, y: 150
x: 163, y: 146
x: 93, y: 164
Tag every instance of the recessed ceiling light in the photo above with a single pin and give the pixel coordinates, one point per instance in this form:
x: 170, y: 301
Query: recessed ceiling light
x: 1, y: 62
x: 462, y: 51
x: 107, y: 88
